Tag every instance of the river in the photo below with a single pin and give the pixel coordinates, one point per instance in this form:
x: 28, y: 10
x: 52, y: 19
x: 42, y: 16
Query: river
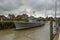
x: 37, y: 33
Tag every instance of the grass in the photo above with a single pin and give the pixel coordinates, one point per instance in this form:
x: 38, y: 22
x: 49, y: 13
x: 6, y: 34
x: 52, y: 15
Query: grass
x: 57, y: 35
x: 12, y: 21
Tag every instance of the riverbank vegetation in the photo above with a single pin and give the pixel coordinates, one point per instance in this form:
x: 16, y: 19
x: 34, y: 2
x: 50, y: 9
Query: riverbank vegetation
x: 6, y: 25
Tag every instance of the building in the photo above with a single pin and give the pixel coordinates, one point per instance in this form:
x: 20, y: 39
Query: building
x: 21, y: 17
x: 18, y: 17
x: 2, y: 17
x: 24, y: 16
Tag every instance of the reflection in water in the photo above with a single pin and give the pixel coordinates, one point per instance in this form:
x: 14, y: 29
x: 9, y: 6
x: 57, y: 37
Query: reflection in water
x: 37, y: 33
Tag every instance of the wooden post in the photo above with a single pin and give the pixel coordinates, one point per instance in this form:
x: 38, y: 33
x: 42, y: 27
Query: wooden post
x: 51, y: 28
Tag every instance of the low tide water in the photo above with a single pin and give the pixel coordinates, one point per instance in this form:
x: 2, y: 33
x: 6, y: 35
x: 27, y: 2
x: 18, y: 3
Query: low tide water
x: 37, y: 33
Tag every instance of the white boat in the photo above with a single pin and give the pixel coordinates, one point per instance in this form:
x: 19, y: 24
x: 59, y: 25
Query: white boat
x: 31, y: 23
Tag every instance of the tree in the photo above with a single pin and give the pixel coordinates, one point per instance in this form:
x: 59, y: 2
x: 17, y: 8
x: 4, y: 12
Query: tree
x: 19, y: 17
x: 11, y: 16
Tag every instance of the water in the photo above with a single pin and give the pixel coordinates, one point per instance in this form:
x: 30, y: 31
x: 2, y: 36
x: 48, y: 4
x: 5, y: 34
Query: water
x: 37, y: 33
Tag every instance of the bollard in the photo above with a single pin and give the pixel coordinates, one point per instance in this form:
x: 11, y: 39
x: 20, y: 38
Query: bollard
x: 51, y: 28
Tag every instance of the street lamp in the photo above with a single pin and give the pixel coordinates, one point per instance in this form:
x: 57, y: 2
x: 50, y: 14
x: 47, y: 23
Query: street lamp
x: 55, y: 8
x: 53, y: 28
x: 55, y: 20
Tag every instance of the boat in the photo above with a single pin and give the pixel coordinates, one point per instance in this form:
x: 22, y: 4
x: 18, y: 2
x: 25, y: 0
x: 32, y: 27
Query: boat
x: 30, y: 22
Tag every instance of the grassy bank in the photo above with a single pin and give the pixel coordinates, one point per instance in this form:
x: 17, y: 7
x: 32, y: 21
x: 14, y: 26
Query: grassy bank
x: 6, y: 25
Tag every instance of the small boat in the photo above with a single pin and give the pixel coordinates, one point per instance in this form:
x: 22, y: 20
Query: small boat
x: 31, y: 22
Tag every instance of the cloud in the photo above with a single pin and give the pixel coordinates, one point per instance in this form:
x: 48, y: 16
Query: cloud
x: 15, y: 6
x: 8, y: 5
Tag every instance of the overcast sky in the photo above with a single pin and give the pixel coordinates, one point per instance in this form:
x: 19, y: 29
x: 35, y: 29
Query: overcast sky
x: 42, y: 7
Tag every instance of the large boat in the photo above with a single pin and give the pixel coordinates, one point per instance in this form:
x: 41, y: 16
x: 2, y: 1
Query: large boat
x: 31, y: 22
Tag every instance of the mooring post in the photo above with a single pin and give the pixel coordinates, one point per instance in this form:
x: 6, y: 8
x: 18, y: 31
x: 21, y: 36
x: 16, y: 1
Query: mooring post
x: 51, y: 28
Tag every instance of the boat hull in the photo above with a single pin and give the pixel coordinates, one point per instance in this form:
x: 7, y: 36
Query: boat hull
x: 22, y: 25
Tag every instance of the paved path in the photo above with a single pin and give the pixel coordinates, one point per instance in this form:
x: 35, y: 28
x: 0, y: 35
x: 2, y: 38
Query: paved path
x: 59, y: 36
x: 59, y: 33
x: 37, y: 33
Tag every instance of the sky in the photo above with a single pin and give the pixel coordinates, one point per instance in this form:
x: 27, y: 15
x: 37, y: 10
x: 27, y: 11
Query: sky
x: 31, y: 7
